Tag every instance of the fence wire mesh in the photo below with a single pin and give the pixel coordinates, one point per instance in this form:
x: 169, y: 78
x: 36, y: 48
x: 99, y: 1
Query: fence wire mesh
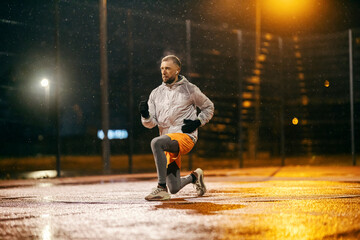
x: 285, y: 101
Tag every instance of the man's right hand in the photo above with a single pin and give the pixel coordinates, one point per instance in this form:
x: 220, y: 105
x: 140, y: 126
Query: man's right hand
x: 144, y: 109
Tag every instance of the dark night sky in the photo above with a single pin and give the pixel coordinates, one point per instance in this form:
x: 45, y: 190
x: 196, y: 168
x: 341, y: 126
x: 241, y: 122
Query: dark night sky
x: 319, y: 16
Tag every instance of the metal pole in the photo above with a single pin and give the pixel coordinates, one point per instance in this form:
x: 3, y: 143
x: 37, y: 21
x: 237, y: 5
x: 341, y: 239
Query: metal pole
x: 240, y: 90
x: 257, y: 28
x: 131, y: 92
x: 257, y: 86
x: 351, y: 77
x: 282, y: 130
x: 188, y: 67
x: 57, y: 94
x: 104, y: 85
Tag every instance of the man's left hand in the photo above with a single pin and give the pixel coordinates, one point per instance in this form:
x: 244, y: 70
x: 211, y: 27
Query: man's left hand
x: 190, y: 125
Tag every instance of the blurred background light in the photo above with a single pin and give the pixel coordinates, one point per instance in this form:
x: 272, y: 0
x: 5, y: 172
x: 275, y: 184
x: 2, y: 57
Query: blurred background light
x: 288, y: 8
x: 327, y: 83
x: 44, y: 82
x: 295, y: 121
x: 114, y: 134
x: 247, y: 104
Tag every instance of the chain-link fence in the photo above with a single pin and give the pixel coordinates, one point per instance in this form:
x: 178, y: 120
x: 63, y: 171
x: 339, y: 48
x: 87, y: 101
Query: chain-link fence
x: 285, y: 101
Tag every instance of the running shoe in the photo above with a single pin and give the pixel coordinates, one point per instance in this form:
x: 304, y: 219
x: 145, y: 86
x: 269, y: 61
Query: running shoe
x: 199, y: 184
x: 158, y: 194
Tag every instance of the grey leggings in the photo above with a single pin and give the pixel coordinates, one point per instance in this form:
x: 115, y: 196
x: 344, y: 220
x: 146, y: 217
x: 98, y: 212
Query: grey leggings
x: 170, y: 175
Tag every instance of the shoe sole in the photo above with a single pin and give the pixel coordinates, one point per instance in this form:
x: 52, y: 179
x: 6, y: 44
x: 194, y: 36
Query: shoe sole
x: 201, y: 180
x: 158, y: 199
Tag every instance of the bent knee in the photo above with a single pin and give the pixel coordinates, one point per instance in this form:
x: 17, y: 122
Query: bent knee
x: 155, y: 143
x: 159, y: 141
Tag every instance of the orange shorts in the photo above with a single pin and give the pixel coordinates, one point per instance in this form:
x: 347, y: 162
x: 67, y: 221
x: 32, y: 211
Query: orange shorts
x: 185, y: 146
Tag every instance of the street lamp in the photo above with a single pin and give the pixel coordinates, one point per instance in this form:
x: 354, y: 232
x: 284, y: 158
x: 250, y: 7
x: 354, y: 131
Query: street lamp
x: 46, y: 85
x: 44, y: 82
x: 53, y: 119
x: 288, y: 9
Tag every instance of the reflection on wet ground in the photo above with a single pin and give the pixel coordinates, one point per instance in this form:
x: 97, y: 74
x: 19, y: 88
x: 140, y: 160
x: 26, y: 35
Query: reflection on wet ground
x: 205, y: 208
x: 291, y: 190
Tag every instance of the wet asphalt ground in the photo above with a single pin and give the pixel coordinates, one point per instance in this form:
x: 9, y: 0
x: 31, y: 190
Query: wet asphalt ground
x: 254, y: 203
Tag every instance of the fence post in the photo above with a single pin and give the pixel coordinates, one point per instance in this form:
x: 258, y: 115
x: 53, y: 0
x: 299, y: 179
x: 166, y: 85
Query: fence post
x: 104, y: 85
x: 57, y: 94
x: 240, y: 90
x: 282, y: 130
x: 351, y: 78
x: 131, y: 92
x: 188, y: 67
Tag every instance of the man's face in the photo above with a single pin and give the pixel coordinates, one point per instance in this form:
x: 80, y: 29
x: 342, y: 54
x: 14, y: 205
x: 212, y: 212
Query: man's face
x: 169, y: 71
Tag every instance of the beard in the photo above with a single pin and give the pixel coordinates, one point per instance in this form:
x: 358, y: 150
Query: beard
x: 170, y: 80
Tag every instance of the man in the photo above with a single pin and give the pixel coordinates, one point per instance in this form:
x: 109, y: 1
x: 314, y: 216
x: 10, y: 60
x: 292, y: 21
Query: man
x: 172, y: 107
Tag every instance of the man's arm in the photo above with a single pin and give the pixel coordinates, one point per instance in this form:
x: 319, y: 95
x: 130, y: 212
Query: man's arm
x: 149, y: 121
x: 204, y: 104
x: 206, y: 107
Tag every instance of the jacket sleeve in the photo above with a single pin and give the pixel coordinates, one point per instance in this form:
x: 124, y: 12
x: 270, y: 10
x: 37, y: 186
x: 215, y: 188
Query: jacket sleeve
x: 151, y: 121
x: 204, y: 104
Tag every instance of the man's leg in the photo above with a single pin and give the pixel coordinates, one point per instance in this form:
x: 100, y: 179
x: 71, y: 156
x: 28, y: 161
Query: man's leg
x: 158, y: 146
x: 170, y: 175
x: 176, y: 183
x: 173, y: 179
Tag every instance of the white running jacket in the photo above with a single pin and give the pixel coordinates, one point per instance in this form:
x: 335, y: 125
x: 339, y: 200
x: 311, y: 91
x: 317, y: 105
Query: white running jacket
x: 169, y: 106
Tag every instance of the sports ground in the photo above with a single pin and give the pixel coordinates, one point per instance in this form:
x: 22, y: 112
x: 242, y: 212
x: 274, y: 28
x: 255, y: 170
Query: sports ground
x: 294, y: 202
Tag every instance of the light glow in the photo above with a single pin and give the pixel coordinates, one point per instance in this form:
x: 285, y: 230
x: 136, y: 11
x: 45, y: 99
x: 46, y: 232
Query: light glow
x: 246, y: 104
x: 44, y: 83
x: 288, y: 8
x: 327, y: 83
x: 295, y: 121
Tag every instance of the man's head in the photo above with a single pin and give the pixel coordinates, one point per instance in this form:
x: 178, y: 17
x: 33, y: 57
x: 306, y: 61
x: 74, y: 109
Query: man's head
x: 170, y: 69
